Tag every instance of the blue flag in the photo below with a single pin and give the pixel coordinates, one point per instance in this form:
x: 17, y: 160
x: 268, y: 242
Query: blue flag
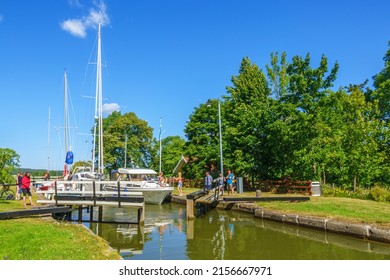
x: 69, y: 157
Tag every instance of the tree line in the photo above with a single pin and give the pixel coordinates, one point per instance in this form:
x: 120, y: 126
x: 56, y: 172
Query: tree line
x: 283, y: 121
x: 287, y: 121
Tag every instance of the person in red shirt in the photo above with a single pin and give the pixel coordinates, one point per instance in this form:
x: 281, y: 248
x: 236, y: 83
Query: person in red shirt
x: 26, y: 182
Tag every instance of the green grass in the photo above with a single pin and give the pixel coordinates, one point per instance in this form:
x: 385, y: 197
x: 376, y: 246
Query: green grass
x: 338, y: 208
x: 47, y: 239
x: 9, y: 205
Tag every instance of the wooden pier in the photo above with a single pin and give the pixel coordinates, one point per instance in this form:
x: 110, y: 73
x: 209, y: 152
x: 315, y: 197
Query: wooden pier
x: 207, y: 199
x: 35, y: 211
x: 90, y: 194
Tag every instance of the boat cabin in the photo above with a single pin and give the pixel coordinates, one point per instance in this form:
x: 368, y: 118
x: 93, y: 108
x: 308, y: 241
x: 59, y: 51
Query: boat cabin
x: 133, y: 174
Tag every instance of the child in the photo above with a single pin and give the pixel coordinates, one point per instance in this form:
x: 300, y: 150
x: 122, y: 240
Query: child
x: 179, y: 180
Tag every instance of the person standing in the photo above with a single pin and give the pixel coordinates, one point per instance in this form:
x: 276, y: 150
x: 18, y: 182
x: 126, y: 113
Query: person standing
x: 208, y: 182
x: 161, y: 179
x: 179, y: 180
x: 47, y: 176
x: 18, y: 186
x: 229, y: 181
x: 26, y: 183
x: 220, y: 183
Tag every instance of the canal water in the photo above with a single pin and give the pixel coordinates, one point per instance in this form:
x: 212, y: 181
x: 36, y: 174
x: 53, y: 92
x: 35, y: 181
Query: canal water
x: 224, y: 235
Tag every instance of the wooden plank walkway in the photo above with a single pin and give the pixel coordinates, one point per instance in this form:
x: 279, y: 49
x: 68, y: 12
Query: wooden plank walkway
x: 200, y: 198
x: 34, y: 212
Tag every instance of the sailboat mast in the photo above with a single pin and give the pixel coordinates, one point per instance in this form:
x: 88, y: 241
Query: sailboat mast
x: 99, y: 97
x: 160, y: 135
x: 48, y: 143
x: 125, y: 151
x: 66, y: 118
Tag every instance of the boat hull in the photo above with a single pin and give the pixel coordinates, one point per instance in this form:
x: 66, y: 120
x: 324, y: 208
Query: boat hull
x: 151, y: 195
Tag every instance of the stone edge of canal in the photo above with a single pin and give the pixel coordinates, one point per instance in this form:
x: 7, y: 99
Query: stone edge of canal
x: 362, y: 231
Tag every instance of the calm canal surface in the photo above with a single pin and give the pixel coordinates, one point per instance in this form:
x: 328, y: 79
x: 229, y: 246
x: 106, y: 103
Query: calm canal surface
x: 224, y: 235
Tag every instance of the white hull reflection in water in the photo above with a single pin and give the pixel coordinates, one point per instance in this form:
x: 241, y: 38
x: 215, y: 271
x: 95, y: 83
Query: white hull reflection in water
x: 225, y: 235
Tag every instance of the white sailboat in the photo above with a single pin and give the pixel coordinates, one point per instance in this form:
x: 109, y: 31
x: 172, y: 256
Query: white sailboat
x: 152, y: 191
x: 92, y: 173
x: 98, y: 125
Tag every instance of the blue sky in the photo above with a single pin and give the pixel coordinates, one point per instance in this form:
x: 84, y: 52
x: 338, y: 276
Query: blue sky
x: 161, y: 58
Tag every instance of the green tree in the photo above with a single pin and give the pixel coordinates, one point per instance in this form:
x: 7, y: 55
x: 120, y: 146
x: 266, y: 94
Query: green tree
x: 128, y: 129
x: 382, y: 89
x: 172, y: 149
x: 9, y: 161
x: 201, y: 132
x: 381, y: 93
x: 277, y: 75
x: 247, y: 115
x: 360, y: 143
x: 307, y: 88
x: 308, y: 85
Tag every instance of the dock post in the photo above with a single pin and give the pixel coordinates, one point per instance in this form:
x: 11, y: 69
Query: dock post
x: 190, y: 208
x: 69, y: 215
x: 91, y: 214
x: 190, y: 229
x: 141, y: 233
x: 141, y: 215
x: 100, y: 219
x: 80, y: 218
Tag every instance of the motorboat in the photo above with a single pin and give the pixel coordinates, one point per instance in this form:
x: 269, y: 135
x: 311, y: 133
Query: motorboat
x: 139, y: 180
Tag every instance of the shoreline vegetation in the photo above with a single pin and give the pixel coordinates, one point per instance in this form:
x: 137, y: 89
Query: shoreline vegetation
x: 43, y: 238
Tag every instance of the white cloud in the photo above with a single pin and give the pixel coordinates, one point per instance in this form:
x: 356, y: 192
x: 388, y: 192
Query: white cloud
x: 78, y: 27
x: 75, y: 27
x: 108, y: 108
x: 74, y: 3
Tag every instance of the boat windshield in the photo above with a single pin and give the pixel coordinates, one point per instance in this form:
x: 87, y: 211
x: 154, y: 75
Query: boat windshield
x: 135, y: 177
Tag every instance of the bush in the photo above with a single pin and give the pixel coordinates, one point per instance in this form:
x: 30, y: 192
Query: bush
x: 377, y: 193
x: 380, y: 194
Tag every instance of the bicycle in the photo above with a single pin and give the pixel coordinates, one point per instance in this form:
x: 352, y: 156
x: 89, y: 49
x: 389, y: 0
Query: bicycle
x: 7, y: 193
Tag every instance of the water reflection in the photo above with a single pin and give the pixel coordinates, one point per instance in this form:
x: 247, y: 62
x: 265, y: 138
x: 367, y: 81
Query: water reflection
x: 224, y: 235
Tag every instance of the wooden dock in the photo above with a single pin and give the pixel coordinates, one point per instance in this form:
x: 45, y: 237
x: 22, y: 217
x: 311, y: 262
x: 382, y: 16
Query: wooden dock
x: 35, y: 211
x: 200, y: 198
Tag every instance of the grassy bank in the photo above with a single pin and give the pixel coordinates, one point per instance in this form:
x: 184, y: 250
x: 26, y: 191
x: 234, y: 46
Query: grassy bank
x: 338, y: 208
x: 46, y: 239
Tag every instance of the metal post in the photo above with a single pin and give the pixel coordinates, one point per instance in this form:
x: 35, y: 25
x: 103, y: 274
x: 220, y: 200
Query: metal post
x: 94, y: 193
x: 220, y: 137
x: 119, y: 194
x: 55, y: 192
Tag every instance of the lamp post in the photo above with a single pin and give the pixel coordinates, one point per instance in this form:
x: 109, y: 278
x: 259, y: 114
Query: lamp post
x: 220, y: 136
x: 220, y: 133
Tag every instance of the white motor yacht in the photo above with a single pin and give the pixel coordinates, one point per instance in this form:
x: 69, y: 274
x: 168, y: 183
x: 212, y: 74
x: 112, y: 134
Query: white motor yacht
x: 139, y: 180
